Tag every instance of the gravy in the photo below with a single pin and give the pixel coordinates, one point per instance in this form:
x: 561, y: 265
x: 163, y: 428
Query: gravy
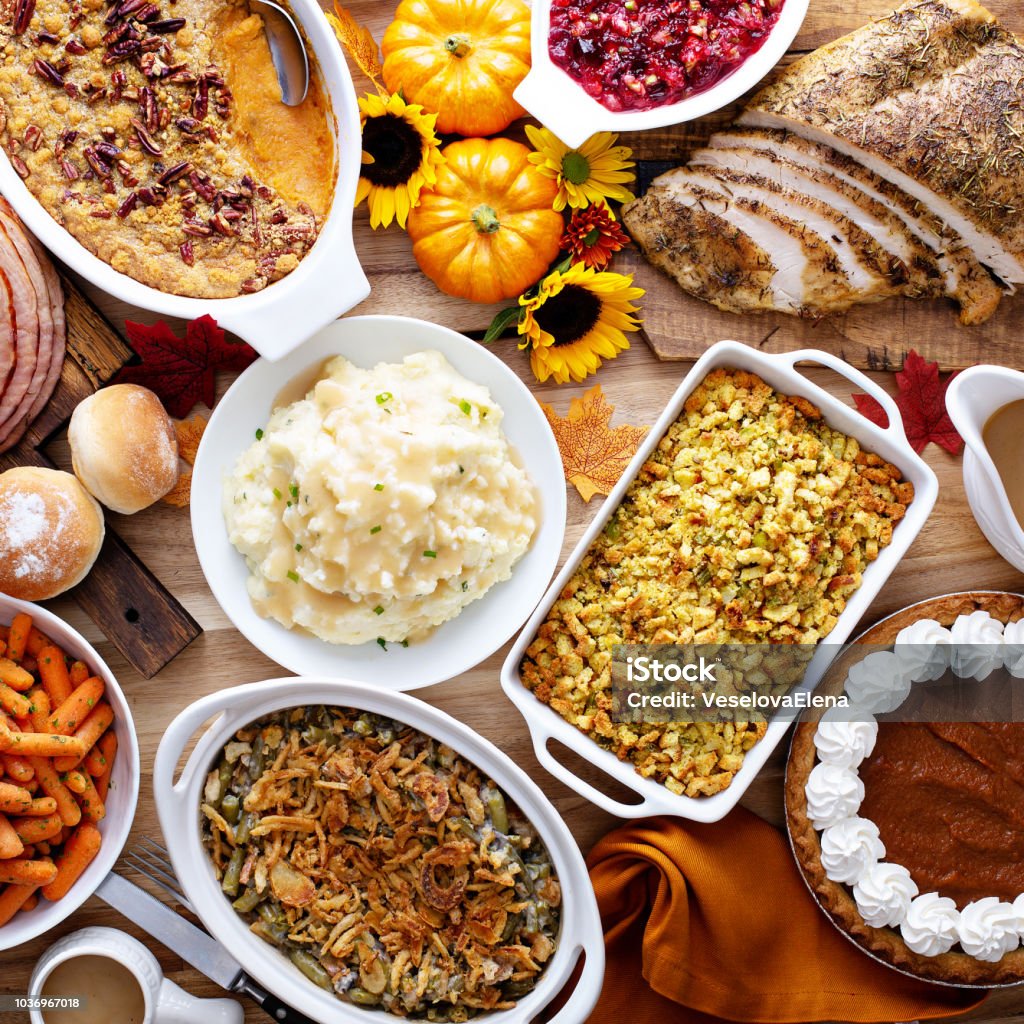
x: 1004, y: 439
x: 109, y: 990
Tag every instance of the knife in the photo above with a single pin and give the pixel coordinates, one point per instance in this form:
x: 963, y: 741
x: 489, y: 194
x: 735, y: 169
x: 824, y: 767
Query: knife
x: 192, y: 944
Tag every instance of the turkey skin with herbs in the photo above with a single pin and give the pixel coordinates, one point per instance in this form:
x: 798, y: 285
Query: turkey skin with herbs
x: 381, y: 504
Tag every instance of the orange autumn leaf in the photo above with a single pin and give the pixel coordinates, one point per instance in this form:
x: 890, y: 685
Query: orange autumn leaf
x: 358, y: 42
x: 594, y: 454
x: 190, y: 433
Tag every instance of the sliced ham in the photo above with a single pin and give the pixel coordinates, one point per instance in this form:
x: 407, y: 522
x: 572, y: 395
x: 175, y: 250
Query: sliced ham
x: 966, y: 280
x: 929, y: 99
x: 761, y: 260
x: 24, y: 326
x: 55, y: 297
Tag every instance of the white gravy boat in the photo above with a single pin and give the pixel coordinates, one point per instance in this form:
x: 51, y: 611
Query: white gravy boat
x: 166, y: 1003
x: 973, y: 397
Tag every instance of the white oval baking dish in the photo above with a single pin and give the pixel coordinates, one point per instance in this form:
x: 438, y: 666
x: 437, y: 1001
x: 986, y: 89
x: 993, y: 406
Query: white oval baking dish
x: 972, y: 399
x: 178, y: 801
x: 560, y: 103
x: 124, y: 784
x: 326, y: 283
x: 780, y: 371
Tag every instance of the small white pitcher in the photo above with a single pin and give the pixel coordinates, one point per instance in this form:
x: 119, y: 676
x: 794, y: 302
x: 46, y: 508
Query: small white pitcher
x: 974, y: 395
x: 165, y: 1002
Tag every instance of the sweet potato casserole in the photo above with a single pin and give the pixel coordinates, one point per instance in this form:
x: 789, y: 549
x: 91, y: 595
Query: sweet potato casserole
x: 155, y: 133
x: 751, y: 522
x: 388, y: 869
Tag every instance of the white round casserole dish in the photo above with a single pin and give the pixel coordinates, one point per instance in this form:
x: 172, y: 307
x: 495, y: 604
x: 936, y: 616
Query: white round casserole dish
x: 178, y: 801
x: 485, y: 624
x: 781, y: 372
x: 124, y: 785
x: 560, y: 103
x: 326, y: 283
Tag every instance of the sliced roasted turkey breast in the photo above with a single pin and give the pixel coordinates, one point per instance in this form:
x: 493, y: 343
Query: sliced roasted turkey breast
x: 929, y: 99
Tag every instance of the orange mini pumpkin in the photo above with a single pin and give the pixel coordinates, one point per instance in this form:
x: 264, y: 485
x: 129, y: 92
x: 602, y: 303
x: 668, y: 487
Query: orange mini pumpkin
x: 460, y: 58
x: 486, y: 231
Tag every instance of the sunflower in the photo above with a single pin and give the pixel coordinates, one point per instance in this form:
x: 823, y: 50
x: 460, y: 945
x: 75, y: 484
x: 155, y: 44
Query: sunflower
x: 596, y: 171
x: 576, y: 317
x: 400, y: 157
x: 593, y: 236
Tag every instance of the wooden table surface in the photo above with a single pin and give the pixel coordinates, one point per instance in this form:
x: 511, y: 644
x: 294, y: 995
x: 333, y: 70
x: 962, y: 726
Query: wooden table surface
x: 950, y: 553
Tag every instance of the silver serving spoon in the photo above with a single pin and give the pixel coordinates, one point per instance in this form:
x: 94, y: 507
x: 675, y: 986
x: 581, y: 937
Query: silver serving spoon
x: 286, y: 50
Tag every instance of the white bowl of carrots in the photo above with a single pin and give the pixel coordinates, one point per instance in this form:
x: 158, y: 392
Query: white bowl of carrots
x: 69, y: 771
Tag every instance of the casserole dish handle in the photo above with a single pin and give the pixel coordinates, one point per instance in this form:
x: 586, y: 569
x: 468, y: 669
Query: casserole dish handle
x: 854, y: 376
x: 170, y: 795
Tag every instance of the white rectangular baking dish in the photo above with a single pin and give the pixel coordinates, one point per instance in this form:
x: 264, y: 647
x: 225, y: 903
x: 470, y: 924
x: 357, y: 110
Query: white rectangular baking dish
x: 780, y: 371
x: 327, y: 282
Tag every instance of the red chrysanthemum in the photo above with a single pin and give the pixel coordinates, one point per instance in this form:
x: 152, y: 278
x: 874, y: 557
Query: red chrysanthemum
x: 593, y: 236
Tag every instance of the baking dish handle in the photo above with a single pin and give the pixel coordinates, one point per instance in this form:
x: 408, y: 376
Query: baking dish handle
x: 168, y: 793
x: 645, y: 808
x: 854, y: 376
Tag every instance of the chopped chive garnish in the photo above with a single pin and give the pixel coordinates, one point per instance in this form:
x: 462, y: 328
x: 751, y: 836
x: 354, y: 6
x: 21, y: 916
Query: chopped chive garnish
x: 294, y: 490
x: 430, y: 554
x: 298, y: 547
x: 384, y: 396
x: 465, y: 585
x: 405, y: 643
x: 378, y: 610
x: 462, y: 469
x: 465, y: 406
x: 375, y: 529
x: 277, y: 494
x: 259, y: 434
x: 383, y: 645
x: 378, y: 487
x: 293, y: 576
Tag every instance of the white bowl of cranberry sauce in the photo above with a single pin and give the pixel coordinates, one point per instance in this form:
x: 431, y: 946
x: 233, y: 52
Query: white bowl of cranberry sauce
x: 630, y: 65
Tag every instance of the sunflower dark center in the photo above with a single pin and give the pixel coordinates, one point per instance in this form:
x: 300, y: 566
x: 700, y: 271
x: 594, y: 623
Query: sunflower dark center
x: 570, y: 314
x: 395, y: 147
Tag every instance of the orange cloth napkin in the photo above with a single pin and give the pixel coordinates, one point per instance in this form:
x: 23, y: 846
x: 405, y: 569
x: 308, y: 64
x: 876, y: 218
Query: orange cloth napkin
x: 717, y: 919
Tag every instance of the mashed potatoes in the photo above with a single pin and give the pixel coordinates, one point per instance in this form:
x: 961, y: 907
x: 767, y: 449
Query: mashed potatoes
x: 381, y: 504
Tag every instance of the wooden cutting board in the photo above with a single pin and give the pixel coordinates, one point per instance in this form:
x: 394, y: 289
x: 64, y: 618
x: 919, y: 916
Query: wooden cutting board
x: 148, y: 626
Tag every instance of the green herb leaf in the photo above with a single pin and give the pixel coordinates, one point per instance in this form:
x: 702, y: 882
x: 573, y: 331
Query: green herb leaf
x: 376, y: 529
x: 378, y: 487
x: 465, y: 406
x: 378, y: 610
x: 298, y: 547
x: 384, y: 396
x: 501, y: 323
x: 430, y: 554
x: 293, y: 576
x: 383, y: 645
x: 259, y: 434
x: 294, y: 490
x: 277, y: 494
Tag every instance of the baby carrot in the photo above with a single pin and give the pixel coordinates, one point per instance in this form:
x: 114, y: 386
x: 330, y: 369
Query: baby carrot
x: 17, y: 638
x: 75, y: 781
x: 28, y: 872
x: 31, y: 903
x: 14, y: 799
x: 90, y: 801
x: 36, y: 642
x: 17, y: 768
x: 78, y: 673
x: 53, y: 671
x: 100, y: 759
x: 103, y: 784
x: 44, y: 744
x: 85, y: 737
x: 39, y: 716
x: 14, y: 676
x: 14, y: 703
x: 13, y: 899
x: 69, y: 714
x: 10, y: 844
x: 37, y: 830
x: 70, y: 813
x: 41, y: 808
x: 3, y: 647
x: 79, y: 852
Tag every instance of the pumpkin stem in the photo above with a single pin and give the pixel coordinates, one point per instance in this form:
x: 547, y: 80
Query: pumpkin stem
x: 485, y: 220
x: 458, y: 46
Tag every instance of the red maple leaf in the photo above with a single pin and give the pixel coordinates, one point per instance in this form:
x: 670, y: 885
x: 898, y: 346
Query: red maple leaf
x: 182, y: 371
x: 922, y: 403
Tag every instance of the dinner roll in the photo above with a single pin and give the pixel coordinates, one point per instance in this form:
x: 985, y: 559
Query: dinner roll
x: 51, y: 531
x: 123, y: 447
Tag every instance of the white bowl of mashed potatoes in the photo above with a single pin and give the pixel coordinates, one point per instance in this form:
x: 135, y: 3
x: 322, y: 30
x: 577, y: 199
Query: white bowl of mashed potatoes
x: 387, y: 503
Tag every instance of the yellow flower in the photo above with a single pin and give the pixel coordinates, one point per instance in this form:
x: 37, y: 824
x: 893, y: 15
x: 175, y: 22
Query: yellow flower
x: 401, y: 154
x: 576, y: 317
x: 596, y: 171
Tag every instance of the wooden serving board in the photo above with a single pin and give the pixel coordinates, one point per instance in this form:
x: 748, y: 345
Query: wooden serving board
x: 148, y: 626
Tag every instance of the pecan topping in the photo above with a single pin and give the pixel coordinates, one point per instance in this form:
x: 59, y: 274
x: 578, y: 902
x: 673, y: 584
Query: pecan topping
x: 20, y: 167
x: 187, y: 253
x: 146, y: 140
x: 175, y: 172
x: 33, y: 137
x: 129, y: 204
x: 167, y: 25
x: 44, y: 69
x: 23, y: 11
x: 75, y: 46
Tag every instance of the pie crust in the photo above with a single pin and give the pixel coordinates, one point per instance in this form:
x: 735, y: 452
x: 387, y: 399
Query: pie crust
x: 954, y: 967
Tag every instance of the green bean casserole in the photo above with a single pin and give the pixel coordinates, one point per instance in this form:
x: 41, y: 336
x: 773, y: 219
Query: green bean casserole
x: 388, y: 869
